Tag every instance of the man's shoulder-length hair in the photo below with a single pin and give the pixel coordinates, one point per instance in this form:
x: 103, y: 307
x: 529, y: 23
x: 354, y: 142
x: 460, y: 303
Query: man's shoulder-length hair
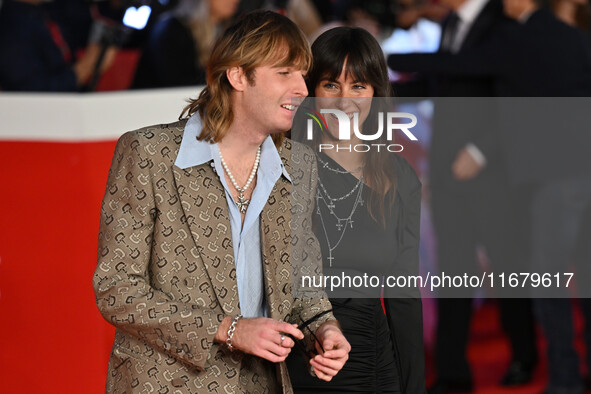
x: 256, y: 39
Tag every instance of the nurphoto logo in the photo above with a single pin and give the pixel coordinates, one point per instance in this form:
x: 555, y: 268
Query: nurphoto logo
x: 349, y: 121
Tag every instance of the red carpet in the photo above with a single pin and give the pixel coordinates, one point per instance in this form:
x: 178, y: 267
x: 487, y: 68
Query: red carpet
x: 489, y: 352
x: 52, y: 338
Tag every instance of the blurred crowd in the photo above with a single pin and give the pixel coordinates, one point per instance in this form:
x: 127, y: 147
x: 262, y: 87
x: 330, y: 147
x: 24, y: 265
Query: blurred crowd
x: 529, y: 207
x: 65, y: 45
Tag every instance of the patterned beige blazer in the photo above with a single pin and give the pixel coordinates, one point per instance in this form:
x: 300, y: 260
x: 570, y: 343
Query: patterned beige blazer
x: 166, y: 276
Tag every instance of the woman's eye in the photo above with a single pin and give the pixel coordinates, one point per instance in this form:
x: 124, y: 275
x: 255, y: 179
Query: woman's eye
x: 329, y: 85
x: 359, y: 87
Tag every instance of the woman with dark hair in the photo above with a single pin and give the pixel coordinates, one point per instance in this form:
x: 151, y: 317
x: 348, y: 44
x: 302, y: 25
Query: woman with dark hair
x: 367, y: 220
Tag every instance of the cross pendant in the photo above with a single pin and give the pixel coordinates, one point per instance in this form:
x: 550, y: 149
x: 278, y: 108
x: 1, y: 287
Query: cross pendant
x: 242, y: 204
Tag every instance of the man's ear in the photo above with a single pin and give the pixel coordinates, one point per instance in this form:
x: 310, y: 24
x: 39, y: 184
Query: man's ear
x: 237, y: 78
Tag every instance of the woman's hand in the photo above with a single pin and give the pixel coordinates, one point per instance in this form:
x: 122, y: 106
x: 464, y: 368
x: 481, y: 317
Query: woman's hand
x: 336, y: 351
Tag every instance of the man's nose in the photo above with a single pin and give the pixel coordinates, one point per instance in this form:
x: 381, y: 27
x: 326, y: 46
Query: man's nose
x: 300, y: 88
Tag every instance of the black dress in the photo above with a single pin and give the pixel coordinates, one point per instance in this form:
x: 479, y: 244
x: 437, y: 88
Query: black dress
x: 386, y: 350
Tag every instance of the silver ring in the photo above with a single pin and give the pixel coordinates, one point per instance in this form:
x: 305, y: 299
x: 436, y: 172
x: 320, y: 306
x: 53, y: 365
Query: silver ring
x: 282, y: 339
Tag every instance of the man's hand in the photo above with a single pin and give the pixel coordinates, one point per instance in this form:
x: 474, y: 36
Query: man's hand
x: 261, y: 337
x: 336, y: 351
x: 464, y: 166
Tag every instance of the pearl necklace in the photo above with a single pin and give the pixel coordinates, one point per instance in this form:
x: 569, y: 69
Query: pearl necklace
x: 242, y: 204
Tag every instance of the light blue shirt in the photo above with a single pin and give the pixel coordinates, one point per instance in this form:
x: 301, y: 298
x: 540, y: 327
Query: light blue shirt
x: 246, y: 238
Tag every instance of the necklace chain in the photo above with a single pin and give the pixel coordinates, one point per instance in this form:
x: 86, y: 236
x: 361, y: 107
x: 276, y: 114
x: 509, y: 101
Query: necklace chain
x: 242, y: 203
x: 336, y: 170
x: 333, y: 199
x: 341, y: 223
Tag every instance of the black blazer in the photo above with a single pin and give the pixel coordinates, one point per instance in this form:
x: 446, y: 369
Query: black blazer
x: 541, y: 58
x: 458, y: 122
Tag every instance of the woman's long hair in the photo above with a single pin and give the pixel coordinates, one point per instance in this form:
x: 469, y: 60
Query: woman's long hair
x: 359, y: 51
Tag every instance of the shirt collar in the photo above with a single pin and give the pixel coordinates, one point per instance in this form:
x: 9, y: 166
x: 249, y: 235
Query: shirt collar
x: 193, y: 152
x: 524, y: 18
x: 468, y: 11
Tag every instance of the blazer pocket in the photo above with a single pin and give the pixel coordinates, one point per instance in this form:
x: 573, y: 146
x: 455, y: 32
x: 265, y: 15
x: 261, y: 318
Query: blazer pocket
x: 123, y: 352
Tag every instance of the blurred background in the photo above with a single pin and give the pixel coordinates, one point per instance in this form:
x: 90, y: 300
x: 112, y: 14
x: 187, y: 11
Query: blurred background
x: 75, y: 75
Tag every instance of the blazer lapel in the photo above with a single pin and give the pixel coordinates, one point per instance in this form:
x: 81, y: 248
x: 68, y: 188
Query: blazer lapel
x: 275, y: 243
x: 204, y: 204
x: 482, y: 24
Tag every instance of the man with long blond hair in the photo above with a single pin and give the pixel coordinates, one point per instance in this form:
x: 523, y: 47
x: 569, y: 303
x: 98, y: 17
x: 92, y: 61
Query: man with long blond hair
x: 197, y: 243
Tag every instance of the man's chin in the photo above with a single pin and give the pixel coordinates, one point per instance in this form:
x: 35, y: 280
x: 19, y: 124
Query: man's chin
x: 280, y: 130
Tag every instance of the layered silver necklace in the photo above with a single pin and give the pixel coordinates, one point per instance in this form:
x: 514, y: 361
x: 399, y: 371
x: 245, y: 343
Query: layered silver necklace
x: 242, y: 203
x: 324, y: 198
